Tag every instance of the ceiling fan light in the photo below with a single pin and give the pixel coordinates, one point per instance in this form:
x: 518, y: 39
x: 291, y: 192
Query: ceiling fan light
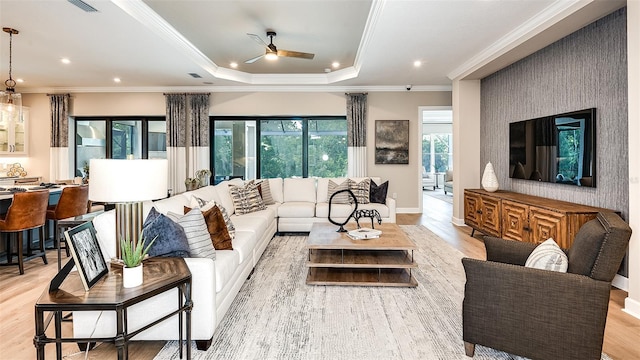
x: 271, y: 56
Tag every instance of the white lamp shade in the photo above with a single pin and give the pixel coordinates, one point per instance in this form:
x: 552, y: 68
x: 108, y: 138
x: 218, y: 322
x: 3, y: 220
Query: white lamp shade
x: 115, y: 180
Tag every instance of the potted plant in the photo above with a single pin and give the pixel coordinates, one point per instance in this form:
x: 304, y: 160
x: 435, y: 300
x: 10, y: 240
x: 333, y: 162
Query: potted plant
x: 192, y: 183
x: 132, y: 255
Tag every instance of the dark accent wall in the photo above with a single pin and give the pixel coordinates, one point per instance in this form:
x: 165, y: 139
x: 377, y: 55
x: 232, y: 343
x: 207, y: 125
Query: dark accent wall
x: 583, y: 70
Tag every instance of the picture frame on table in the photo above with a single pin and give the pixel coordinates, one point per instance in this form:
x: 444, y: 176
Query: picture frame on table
x: 392, y: 142
x: 86, y: 253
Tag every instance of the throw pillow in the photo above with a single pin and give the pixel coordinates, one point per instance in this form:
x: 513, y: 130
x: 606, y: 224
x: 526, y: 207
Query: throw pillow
x: 360, y: 190
x: 265, y: 192
x: 216, y: 228
x: 342, y: 198
x: 195, y: 228
x: 171, y: 240
x: 206, y: 205
x: 548, y: 256
x: 246, y: 199
x: 378, y: 193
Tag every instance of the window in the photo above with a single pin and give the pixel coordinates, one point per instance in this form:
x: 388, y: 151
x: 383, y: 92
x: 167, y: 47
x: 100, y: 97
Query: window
x: 118, y: 138
x: 269, y: 147
x: 437, y: 140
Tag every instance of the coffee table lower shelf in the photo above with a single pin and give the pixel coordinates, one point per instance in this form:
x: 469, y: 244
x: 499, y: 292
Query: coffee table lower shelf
x: 396, y: 277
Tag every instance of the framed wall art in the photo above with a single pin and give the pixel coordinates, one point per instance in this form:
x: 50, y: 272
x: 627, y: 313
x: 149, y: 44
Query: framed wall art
x: 392, y: 142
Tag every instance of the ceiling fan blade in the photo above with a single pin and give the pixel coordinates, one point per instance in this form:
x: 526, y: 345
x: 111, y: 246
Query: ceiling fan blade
x: 258, y: 39
x: 252, y: 60
x: 295, y: 54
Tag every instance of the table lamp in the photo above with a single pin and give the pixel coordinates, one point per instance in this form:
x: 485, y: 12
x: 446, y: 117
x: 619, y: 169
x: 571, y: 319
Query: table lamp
x: 127, y: 183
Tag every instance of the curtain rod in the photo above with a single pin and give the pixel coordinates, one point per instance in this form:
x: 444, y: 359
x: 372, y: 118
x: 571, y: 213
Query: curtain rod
x: 205, y: 93
x: 58, y: 94
x: 364, y: 93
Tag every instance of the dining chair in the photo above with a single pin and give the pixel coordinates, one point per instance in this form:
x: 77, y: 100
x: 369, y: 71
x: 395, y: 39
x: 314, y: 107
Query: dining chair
x: 27, y: 212
x: 74, y: 201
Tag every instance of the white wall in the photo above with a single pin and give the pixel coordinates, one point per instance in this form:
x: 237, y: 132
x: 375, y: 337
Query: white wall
x: 403, y: 179
x: 632, y: 303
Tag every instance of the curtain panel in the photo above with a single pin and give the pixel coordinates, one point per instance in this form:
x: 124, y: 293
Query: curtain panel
x: 187, y: 137
x: 59, y: 166
x: 357, y: 135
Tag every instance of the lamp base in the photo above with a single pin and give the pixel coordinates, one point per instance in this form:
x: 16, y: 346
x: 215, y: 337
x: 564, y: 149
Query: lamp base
x: 128, y: 223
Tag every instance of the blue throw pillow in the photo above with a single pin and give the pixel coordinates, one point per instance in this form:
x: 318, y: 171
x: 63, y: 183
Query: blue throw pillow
x: 171, y: 240
x: 378, y: 193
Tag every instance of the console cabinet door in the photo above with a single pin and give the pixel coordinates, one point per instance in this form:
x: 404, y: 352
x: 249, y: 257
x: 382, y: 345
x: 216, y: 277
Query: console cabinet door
x: 491, y: 218
x: 547, y: 224
x: 515, y: 221
x: 472, y: 210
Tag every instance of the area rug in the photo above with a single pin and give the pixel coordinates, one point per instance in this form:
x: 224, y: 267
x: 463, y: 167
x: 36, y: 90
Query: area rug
x: 277, y: 316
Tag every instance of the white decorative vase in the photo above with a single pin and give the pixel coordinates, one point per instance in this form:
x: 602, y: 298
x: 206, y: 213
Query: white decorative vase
x: 132, y: 277
x: 489, y: 179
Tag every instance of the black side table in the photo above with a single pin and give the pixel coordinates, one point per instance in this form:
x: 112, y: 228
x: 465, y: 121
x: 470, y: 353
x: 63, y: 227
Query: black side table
x: 160, y: 275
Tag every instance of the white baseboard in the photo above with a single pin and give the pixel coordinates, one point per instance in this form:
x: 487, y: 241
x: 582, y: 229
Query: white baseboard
x: 632, y: 307
x: 457, y: 221
x: 620, y: 282
x: 408, y: 211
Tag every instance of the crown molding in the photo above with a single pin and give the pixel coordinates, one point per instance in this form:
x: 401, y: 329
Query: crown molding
x: 239, y: 88
x: 146, y: 16
x: 551, y: 15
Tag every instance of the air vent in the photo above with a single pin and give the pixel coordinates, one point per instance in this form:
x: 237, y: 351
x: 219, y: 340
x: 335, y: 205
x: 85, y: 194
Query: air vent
x: 195, y: 76
x: 83, y: 5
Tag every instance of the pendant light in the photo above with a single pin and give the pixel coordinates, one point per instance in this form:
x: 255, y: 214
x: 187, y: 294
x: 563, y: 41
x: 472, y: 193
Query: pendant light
x: 10, y: 101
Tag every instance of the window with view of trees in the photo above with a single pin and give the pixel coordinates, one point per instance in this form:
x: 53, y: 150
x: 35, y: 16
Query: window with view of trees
x: 436, y: 152
x: 269, y: 147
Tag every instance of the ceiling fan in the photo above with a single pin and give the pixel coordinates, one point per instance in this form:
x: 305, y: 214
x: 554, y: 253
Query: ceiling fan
x: 272, y: 52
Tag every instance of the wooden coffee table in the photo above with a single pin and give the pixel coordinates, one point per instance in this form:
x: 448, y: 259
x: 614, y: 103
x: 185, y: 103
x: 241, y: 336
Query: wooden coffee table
x: 336, y: 259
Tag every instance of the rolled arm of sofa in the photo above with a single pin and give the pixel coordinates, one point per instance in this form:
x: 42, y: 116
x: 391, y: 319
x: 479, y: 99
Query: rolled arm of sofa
x: 203, y: 295
x: 507, y: 251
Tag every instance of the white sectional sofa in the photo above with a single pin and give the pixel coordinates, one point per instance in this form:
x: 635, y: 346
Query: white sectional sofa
x: 299, y: 202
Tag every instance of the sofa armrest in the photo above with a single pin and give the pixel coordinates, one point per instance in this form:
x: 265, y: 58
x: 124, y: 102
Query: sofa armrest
x: 203, y: 295
x: 507, y: 251
x: 391, y: 204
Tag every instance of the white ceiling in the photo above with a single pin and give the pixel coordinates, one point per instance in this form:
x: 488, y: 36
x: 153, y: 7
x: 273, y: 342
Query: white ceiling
x: 153, y: 45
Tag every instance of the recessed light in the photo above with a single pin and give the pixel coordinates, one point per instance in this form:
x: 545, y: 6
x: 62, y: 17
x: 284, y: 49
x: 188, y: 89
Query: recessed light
x: 417, y: 63
x: 19, y: 80
x: 335, y: 64
x: 65, y: 61
x: 233, y: 64
x: 116, y: 80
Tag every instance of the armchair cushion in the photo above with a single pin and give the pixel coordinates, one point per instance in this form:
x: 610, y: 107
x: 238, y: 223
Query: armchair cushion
x: 548, y: 256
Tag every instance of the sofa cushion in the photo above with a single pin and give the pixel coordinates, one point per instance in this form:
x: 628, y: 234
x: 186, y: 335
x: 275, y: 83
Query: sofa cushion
x: 227, y: 262
x: 382, y: 209
x: 174, y: 204
x: 265, y: 192
x: 299, y: 189
x: 207, y: 193
x: 195, y: 228
x: 378, y: 193
x: 339, y: 212
x: 257, y: 222
x: 275, y: 185
x: 297, y: 209
x: 216, y: 228
x: 341, y: 198
x: 246, y: 199
x: 206, y: 205
x: 360, y: 189
x: 171, y: 239
x: 225, y: 197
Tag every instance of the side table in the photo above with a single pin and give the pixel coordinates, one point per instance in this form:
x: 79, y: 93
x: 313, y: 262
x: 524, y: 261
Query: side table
x: 160, y: 275
x: 65, y: 224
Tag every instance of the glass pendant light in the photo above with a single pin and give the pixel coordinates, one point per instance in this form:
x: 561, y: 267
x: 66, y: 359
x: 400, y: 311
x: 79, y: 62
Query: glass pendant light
x: 10, y: 100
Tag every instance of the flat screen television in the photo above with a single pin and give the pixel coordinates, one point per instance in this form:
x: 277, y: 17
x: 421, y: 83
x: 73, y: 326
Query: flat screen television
x: 558, y: 149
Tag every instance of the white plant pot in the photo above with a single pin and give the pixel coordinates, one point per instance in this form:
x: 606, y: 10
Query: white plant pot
x: 132, y: 277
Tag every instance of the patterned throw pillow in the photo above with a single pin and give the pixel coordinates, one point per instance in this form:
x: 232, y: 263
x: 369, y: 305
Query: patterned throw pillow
x: 246, y: 199
x: 216, y: 228
x: 206, y: 205
x: 342, y: 198
x: 378, y: 193
x: 360, y: 190
x: 548, y: 256
x: 265, y: 192
x: 171, y: 239
x: 195, y: 228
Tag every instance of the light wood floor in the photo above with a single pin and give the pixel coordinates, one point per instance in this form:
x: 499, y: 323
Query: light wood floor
x: 19, y: 293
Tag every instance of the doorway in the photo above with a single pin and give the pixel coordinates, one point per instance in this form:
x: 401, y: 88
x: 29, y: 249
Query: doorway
x: 436, y: 147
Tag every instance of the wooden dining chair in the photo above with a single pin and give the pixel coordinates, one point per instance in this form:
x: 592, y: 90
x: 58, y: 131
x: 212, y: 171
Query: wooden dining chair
x: 27, y: 211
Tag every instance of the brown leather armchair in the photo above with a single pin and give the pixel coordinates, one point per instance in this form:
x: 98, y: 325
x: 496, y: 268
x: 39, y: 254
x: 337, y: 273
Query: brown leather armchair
x: 544, y: 314
x: 74, y: 201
